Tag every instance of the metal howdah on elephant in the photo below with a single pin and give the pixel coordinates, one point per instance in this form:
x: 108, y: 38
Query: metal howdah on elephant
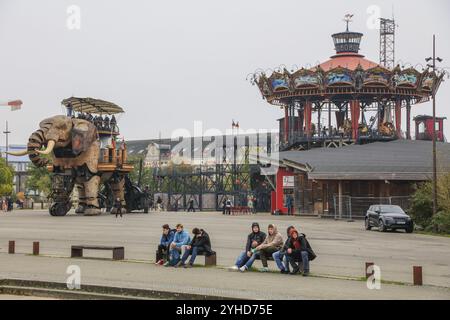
x: 81, y: 150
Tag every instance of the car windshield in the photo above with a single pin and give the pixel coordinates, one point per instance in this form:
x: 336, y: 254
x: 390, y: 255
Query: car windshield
x: 391, y: 209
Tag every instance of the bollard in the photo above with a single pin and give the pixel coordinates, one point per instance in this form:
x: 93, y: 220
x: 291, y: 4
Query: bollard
x: 417, y: 275
x: 36, y: 248
x: 368, y: 264
x: 11, y: 247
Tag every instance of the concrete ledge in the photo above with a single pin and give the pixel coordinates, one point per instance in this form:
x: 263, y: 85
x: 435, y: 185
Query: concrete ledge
x: 88, y: 292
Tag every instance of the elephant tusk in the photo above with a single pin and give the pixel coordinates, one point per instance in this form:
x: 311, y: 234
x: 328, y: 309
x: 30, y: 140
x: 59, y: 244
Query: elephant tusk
x: 18, y: 153
x: 50, y: 146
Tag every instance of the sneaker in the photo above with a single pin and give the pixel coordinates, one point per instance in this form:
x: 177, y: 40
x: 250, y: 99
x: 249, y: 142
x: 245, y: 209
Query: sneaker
x: 243, y: 269
x: 264, y: 269
x: 189, y: 265
x: 167, y: 264
x: 284, y: 271
x: 233, y: 268
x: 295, y: 270
x: 160, y: 262
x: 179, y: 264
x: 305, y: 274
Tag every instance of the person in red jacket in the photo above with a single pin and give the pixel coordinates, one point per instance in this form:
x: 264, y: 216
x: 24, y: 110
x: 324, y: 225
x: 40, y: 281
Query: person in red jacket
x: 297, y: 252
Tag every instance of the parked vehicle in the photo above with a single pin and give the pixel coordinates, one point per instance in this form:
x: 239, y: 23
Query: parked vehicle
x: 386, y: 217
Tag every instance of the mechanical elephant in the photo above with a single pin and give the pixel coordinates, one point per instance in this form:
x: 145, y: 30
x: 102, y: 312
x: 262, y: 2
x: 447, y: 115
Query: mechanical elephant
x: 74, y: 147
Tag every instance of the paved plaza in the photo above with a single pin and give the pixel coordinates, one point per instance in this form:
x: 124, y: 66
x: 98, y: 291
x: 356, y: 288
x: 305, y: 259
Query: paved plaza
x: 342, y: 248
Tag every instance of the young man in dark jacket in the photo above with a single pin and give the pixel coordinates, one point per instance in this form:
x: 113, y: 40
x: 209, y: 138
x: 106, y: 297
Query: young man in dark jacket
x: 298, y: 251
x: 200, y: 244
x: 254, y: 239
x: 280, y: 256
x: 163, y: 247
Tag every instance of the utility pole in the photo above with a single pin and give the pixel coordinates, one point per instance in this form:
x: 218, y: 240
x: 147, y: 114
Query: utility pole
x: 433, y: 66
x: 6, y: 132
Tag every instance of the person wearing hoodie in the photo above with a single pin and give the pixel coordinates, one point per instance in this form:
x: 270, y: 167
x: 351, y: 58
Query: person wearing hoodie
x: 272, y: 243
x: 200, y: 244
x: 297, y: 251
x: 164, y: 243
x: 180, y: 240
x: 280, y: 256
x: 254, y: 239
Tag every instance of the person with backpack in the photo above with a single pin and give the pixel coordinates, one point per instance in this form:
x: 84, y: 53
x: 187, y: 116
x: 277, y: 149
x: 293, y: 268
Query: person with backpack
x: 162, y: 254
x: 299, y: 251
x: 200, y: 244
x: 280, y: 256
x: 228, y: 205
x: 254, y: 239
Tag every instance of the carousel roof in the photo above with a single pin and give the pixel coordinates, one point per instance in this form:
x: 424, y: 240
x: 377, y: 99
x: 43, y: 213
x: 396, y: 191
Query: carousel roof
x: 349, y: 61
x: 345, y: 75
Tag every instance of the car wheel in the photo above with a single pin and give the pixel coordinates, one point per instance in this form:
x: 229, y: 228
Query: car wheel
x: 409, y: 229
x: 381, y: 226
x: 367, y: 224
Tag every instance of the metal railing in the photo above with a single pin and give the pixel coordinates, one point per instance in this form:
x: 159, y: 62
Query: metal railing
x: 350, y: 207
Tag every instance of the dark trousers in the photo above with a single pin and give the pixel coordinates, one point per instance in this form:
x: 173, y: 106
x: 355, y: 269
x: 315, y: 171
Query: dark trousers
x: 290, y: 210
x: 163, y: 253
x: 266, y: 252
x: 304, y: 259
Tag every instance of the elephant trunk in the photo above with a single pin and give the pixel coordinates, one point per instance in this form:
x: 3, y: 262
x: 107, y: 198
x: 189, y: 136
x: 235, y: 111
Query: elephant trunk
x: 35, y: 142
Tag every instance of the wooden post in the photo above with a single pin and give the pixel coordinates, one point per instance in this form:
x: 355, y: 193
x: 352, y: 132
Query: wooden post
x: 340, y: 198
x: 11, y: 247
x: 417, y: 275
x: 36, y: 248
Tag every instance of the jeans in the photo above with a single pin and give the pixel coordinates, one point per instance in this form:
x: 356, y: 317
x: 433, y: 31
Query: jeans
x: 175, y: 254
x: 280, y: 259
x: 252, y: 259
x: 304, y: 259
x: 193, y: 252
x: 241, y: 259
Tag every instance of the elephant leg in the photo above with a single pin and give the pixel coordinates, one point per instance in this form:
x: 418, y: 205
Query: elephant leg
x: 91, y: 192
x: 81, y: 199
x: 119, y: 197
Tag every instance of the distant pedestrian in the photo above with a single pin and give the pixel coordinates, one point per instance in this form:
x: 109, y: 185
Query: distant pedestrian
x: 290, y: 204
x: 118, y: 206
x: 159, y: 204
x: 191, y: 206
x: 228, y: 205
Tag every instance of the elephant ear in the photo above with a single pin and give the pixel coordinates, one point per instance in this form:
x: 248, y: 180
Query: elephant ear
x: 84, y: 134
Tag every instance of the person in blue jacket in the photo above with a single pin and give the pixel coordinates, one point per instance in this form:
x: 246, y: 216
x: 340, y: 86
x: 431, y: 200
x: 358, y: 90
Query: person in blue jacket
x: 180, y: 240
x: 162, y: 254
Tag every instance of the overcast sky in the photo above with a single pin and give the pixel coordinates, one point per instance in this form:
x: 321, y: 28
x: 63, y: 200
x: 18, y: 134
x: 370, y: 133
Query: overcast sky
x: 169, y: 63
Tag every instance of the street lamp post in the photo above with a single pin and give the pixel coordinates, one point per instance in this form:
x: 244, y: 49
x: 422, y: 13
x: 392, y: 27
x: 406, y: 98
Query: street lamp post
x: 433, y: 66
x: 6, y: 132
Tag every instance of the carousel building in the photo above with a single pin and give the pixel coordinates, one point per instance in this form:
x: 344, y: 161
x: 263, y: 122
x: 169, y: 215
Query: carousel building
x: 360, y: 151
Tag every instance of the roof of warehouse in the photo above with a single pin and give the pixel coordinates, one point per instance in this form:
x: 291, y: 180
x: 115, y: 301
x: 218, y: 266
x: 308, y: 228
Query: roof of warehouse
x: 395, y: 160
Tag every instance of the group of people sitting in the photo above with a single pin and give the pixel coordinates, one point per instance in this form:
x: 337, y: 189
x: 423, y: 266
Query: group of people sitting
x: 176, y: 246
x: 295, y: 251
